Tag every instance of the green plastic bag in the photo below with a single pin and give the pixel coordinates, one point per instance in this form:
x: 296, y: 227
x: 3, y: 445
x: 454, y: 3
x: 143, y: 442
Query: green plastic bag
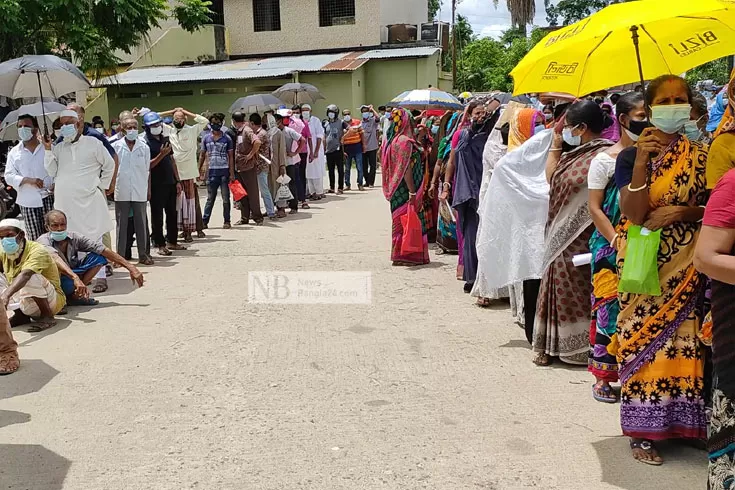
x: 640, y: 269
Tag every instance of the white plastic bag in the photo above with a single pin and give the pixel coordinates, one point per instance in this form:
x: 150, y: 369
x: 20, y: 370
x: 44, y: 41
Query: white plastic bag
x: 284, y: 193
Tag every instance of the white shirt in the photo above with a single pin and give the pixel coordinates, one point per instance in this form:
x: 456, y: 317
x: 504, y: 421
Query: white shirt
x: 133, y: 171
x: 24, y: 163
x: 602, y: 170
x: 83, y: 171
x: 184, y: 146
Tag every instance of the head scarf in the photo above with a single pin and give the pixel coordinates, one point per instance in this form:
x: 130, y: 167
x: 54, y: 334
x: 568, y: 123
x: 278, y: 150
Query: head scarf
x: 398, y: 152
x: 727, y: 124
x: 522, y: 127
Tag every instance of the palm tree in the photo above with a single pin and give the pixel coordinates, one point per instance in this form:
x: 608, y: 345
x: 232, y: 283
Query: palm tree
x: 521, y: 12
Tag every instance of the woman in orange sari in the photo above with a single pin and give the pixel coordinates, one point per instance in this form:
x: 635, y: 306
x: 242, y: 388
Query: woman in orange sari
x: 661, y: 364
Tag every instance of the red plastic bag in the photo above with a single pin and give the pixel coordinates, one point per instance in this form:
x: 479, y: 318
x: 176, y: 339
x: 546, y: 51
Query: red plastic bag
x: 238, y: 191
x: 412, y: 232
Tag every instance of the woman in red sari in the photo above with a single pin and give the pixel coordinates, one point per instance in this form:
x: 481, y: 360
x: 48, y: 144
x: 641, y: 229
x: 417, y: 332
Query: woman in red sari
x: 403, y: 184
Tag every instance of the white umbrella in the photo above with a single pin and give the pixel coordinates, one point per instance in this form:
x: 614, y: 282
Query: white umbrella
x: 256, y: 103
x: 298, y: 93
x: 9, y: 126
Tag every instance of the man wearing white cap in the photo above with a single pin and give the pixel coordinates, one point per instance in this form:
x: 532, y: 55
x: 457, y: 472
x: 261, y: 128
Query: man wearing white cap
x: 83, y: 170
x: 316, y: 166
x: 30, y: 285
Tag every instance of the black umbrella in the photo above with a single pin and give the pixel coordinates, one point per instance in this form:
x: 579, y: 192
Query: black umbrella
x: 256, y: 103
x: 298, y: 93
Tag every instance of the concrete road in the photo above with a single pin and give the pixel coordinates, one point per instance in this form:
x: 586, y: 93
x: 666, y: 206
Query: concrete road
x: 185, y: 385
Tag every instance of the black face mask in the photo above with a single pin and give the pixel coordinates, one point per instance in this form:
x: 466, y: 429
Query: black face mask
x: 178, y: 125
x: 637, y: 127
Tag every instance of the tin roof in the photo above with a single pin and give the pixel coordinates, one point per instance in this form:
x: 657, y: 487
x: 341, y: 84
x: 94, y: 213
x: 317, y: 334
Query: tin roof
x: 280, y: 66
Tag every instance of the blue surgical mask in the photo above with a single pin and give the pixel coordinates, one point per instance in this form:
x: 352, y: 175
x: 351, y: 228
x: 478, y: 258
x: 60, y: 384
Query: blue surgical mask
x: 366, y: 115
x: 670, y: 118
x: 569, y: 138
x: 131, y: 134
x: 691, y: 131
x: 10, y: 245
x: 434, y: 129
x: 25, y: 133
x: 69, y: 131
x: 58, y: 236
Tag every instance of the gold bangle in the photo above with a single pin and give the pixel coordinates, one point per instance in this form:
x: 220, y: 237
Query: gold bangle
x: 637, y: 189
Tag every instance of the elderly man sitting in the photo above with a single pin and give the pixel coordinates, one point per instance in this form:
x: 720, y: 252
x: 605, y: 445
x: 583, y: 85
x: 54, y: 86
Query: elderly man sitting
x: 77, y: 272
x: 30, y: 282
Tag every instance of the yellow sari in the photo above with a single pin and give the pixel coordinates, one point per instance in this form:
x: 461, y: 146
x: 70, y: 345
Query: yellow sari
x: 660, y: 356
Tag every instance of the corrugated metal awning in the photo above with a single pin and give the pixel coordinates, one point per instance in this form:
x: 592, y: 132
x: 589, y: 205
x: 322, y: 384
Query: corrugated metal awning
x: 274, y: 67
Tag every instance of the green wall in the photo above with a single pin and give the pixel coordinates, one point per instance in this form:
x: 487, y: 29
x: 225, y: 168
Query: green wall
x: 335, y: 87
x: 388, y: 78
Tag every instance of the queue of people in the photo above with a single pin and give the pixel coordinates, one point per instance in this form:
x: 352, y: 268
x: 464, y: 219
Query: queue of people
x: 538, y: 201
x: 62, y: 252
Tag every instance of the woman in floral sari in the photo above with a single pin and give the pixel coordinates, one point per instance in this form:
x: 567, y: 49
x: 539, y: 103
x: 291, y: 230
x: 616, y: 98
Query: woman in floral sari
x: 430, y: 202
x: 403, y: 184
x: 447, y: 225
x: 661, y: 366
x: 561, y: 327
x: 604, y: 205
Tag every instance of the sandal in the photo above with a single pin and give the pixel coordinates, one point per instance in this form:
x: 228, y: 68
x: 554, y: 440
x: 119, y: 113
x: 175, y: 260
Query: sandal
x: 542, y: 360
x: 41, y: 325
x: 146, y: 261
x: 227, y: 226
x: 484, y: 302
x: 649, y: 449
x: 164, y: 251
x: 100, y: 286
x: 467, y: 288
x: 201, y: 234
x: 241, y: 222
x: 9, y: 363
x: 603, y: 393
x: 175, y: 246
x: 82, y: 302
x: 305, y: 205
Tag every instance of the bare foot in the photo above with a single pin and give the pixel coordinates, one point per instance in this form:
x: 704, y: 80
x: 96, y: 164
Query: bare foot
x: 542, y: 359
x: 9, y: 363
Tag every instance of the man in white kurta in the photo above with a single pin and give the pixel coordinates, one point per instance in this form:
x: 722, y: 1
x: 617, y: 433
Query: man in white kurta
x: 315, y: 168
x: 83, y: 171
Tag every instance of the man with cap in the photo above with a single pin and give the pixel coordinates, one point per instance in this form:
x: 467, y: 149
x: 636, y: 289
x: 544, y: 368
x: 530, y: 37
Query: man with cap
x: 316, y: 166
x: 83, y: 171
x: 165, y: 186
x: 370, y: 144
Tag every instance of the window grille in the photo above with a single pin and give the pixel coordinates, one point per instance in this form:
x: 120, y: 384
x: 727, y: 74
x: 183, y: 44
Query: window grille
x: 336, y: 12
x: 267, y: 15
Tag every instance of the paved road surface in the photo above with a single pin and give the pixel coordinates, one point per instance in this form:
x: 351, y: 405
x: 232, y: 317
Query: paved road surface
x: 183, y: 384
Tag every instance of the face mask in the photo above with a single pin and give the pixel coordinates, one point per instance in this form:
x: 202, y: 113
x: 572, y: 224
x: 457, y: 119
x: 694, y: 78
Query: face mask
x: 57, y: 133
x: 69, y: 131
x: 215, y: 126
x: 533, y: 100
x: 25, y: 133
x: 569, y: 138
x: 347, y: 118
x: 131, y: 134
x: 306, y: 115
x: 331, y: 115
x: 115, y: 127
x: 100, y: 130
x: 366, y: 115
x: 10, y: 245
x: 434, y: 129
x: 156, y: 130
x: 178, y: 124
x: 548, y: 117
x: 670, y: 118
x: 58, y: 236
x: 286, y: 121
x: 691, y: 131
x: 539, y: 128
x: 635, y: 129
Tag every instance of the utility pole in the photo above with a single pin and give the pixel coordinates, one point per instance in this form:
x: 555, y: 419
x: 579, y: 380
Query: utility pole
x: 454, y: 42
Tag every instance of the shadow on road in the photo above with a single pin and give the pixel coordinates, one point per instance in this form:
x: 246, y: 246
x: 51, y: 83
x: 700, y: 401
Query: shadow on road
x: 8, y: 417
x: 516, y: 344
x: 33, y: 375
x: 32, y: 466
x: 619, y: 468
x: 36, y: 336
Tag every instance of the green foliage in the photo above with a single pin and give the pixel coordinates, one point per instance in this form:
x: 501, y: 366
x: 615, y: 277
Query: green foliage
x: 485, y: 64
x: 90, y: 30
x: 714, y: 70
x: 465, y: 36
x: 434, y: 6
x: 571, y: 11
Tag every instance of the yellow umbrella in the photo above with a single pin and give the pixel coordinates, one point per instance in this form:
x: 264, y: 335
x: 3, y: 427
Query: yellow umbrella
x: 628, y: 42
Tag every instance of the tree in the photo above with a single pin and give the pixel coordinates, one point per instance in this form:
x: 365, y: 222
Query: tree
x: 521, y: 12
x: 434, y: 6
x: 571, y: 11
x: 465, y: 36
x: 89, y: 30
x: 714, y: 70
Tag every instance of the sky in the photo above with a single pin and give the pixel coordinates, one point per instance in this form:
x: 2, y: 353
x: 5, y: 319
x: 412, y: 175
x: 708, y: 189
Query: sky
x: 485, y: 19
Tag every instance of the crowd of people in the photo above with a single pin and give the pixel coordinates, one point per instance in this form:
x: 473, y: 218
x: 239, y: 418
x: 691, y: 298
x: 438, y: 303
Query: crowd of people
x: 61, y: 252
x: 540, y: 199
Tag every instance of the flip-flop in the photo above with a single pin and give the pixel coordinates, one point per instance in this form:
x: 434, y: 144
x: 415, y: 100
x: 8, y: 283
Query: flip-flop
x: 608, y: 397
x: 484, y: 302
x: 82, y: 302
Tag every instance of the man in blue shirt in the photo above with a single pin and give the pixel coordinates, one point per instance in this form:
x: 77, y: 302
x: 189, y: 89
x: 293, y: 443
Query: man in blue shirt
x: 220, y: 149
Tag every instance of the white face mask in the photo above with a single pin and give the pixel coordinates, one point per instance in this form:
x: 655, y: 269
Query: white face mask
x: 306, y: 115
x: 25, y: 133
x: 348, y: 118
x: 100, y: 130
x: 155, y: 131
x: 331, y: 115
x: 569, y: 137
x: 131, y: 134
x: 670, y: 118
x: 633, y: 137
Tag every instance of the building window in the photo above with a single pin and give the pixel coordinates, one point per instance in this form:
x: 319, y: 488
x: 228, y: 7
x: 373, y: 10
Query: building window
x: 336, y: 12
x: 217, y: 12
x: 267, y: 15
x: 176, y: 93
x: 131, y: 95
x: 218, y: 91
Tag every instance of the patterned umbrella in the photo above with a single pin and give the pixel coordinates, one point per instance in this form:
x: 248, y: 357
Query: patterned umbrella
x: 423, y: 99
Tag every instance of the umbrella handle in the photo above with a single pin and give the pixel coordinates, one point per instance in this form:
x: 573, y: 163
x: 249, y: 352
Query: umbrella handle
x: 634, y: 36
x: 43, y: 110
